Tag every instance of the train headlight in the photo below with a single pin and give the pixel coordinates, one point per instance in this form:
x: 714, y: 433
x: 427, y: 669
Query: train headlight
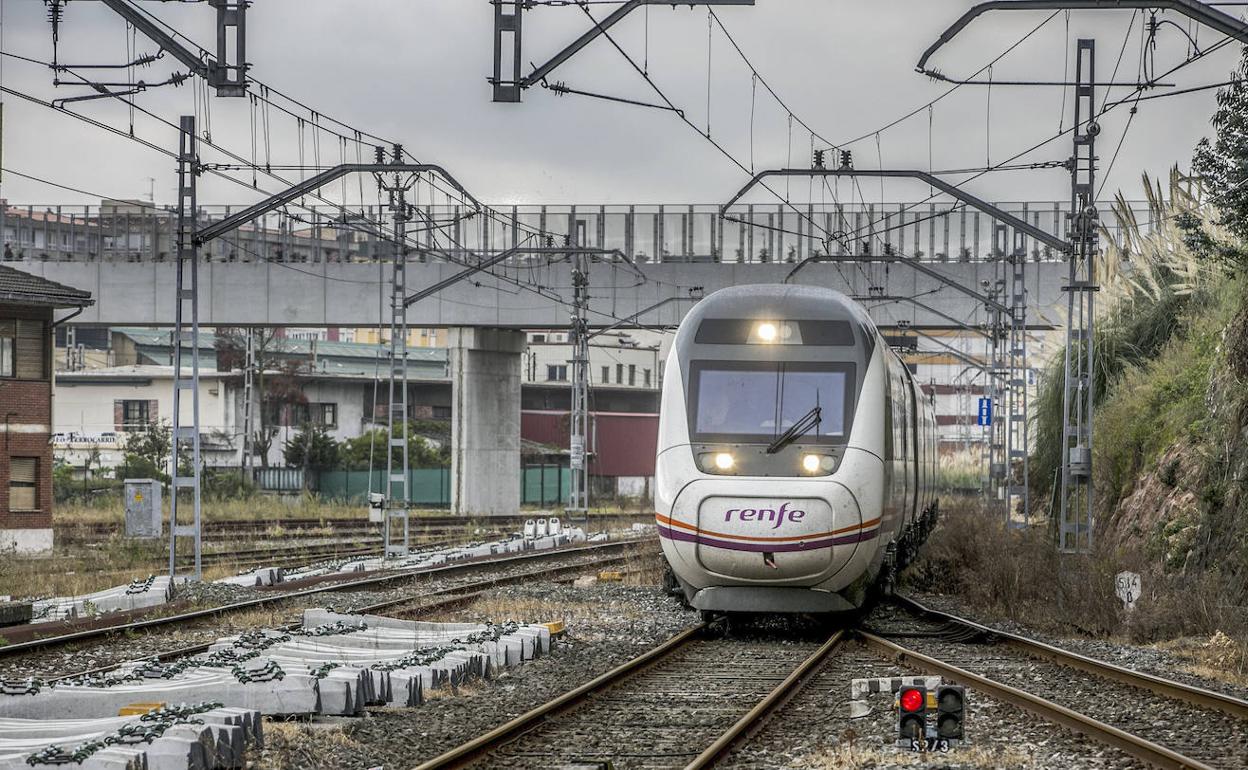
x: 717, y: 462
x: 767, y: 332
x: 818, y: 464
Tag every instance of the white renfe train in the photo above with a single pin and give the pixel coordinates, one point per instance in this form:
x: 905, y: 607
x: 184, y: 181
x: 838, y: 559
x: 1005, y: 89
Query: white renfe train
x: 797, y: 455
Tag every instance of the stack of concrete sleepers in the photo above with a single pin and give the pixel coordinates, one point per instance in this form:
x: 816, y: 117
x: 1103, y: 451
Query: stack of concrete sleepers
x: 201, y: 737
x: 371, y: 660
x: 252, y: 685
x: 337, y: 664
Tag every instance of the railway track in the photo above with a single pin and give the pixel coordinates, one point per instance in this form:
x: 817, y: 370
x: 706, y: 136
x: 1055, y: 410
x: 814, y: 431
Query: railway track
x: 341, y: 526
x: 375, y: 581
x: 1162, y: 722
x: 657, y: 719
x: 404, y: 607
x: 693, y: 700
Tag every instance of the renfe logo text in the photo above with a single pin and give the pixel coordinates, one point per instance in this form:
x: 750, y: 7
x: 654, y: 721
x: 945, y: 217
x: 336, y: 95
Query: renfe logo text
x: 766, y: 514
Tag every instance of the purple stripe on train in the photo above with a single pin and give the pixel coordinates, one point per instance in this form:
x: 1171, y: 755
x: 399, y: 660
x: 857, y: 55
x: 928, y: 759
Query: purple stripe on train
x: 691, y: 537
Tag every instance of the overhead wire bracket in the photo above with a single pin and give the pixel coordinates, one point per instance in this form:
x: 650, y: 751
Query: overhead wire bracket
x: 276, y: 201
x: 508, y: 41
x: 1192, y: 9
x: 227, y: 71
x: 922, y: 176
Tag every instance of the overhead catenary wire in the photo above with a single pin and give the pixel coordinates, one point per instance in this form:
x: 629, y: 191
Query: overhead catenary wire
x: 266, y: 92
x: 1136, y: 96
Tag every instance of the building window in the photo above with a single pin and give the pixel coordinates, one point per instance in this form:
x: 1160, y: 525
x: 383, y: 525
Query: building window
x: 314, y: 413
x: 606, y: 374
x: 619, y: 374
x: 632, y: 374
x: 8, y: 344
x: 539, y: 337
x: 556, y: 373
x: 645, y: 377
x: 23, y: 349
x: 23, y: 486
x: 328, y: 415
x: 135, y: 415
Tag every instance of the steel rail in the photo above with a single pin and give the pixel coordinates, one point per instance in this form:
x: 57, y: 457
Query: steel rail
x: 453, y: 595
x: 1140, y: 748
x: 12, y: 650
x: 482, y: 744
x: 749, y: 725
x: 1197, y: 696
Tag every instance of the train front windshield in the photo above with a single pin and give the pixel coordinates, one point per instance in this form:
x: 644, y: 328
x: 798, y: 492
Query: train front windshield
x: 757, y: 401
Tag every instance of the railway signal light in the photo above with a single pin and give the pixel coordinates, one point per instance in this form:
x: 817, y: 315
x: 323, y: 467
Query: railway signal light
x: 950, y: 712
x: 912, y: 713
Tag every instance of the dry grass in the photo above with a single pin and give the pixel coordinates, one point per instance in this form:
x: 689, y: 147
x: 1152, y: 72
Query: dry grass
x: 299, y: 745
x: 1219, y: 657
x: 257, y: 508
x: 1018, y: 575
x: 84, y: 568
x: 855, y: 756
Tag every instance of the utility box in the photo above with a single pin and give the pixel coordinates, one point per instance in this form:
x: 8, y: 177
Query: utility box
x: 143, y: 508
x: 15, y: 613
x: 1080, y: 461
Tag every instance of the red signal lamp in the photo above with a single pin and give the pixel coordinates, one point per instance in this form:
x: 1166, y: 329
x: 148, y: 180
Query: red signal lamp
x: 912, y: 699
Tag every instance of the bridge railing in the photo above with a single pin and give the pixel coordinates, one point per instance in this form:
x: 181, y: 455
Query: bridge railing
x: 646, y: 234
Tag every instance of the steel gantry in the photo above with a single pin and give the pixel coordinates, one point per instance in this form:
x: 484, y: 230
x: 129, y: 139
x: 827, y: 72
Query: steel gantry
x: 185, y: 481
x: 398, y: 490
x: 1076, y: 517
x: 578, y: 416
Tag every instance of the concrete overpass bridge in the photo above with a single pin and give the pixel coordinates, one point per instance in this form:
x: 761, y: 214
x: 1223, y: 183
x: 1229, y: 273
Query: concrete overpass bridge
x: 356, y: 294
x: 285, y: 269
x: 280, y: 271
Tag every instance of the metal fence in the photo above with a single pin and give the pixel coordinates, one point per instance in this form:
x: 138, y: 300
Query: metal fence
x: 756, y: 233
x: 540, y: 485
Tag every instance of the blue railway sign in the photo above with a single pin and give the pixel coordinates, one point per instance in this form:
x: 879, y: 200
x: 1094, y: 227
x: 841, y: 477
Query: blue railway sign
x: 985, y: 411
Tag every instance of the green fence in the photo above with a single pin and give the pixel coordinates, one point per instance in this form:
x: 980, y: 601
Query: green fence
x: 544, y: 485
x: 429, y: 486
x: 540, y: 485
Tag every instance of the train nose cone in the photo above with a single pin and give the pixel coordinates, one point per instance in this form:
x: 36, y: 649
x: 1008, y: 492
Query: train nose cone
x: 762, y: 537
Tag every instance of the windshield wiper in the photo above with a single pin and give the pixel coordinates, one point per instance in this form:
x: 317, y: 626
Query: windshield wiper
x: 800, y: 428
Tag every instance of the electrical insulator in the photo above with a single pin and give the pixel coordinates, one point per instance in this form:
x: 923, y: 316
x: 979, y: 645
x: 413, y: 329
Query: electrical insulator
x: 847, y: 159
x: 818, y: 159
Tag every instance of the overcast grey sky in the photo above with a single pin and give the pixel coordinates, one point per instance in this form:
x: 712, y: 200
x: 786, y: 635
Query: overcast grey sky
x: 414, y: 71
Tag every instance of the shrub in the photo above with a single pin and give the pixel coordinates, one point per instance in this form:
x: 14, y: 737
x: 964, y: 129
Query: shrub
x: 312, y: 448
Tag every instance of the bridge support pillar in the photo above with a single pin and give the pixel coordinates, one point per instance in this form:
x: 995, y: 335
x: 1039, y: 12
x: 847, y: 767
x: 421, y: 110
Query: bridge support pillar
x: 485, y: 422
